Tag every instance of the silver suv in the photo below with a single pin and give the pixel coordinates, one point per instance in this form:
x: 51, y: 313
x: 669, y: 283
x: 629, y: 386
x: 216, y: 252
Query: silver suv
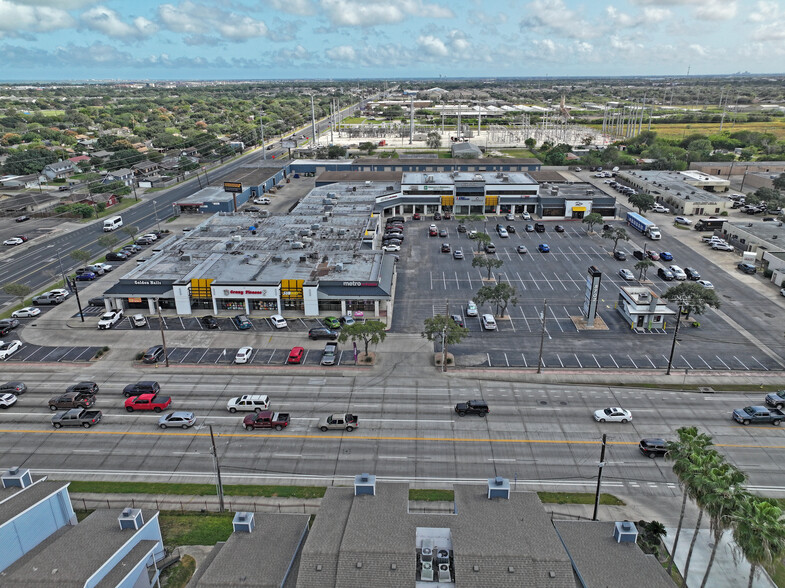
x: 330, y: 353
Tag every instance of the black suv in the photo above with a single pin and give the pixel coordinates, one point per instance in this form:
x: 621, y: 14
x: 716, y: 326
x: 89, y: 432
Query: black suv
x: 692, y: 273
x: 97, y: 301
x: 620, y: 255
x: 539, y: 227
x: 322, y: 333
x: 209, y: 322
x: 478, y: 407
x: 84, y: 387
x: 652, y: 448
x: 141, y: 388
x: 665, y: 274
x: 116, y: 256
x: 638, y: 254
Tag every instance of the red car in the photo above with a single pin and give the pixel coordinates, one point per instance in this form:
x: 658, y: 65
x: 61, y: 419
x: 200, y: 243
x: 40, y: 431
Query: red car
x: 653, y: 255
x: 296, y: 355
x: 416, y: 216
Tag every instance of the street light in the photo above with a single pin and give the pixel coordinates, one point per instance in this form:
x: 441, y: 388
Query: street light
x: 155, y: 206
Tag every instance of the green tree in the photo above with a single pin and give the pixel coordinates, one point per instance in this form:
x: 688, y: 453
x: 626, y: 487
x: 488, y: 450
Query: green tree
x: 779, y: 182
x: 616, y: 234
x: 693, y: 297
x: 124, y: 158
x: 643, y: 267
x: 501, y: 295
x: 336, y: 152
x: 108, y: 241
x: 487, y: 261
x: 723, y: 499
x: 482, y: 240
x: 443, y: 329
x: 369, y: 332
x: 368, y: 146
x: 759, y: 533
x: 28, y: 161
x: 642, y: 202
x: 592, y: 219
x: 690, y: 442
x: 17, y: 290
x: 81, y: 255
x: 434, y: 140
x: 530, y: 143
x: 186, y: 164
x: 131, y: 231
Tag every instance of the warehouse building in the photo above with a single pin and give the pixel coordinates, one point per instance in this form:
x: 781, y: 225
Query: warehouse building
x: 687, y: 193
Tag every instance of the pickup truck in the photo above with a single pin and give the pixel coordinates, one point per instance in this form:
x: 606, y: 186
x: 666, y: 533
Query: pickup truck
x: 48, y: 298
x: 110, y: 319
x: 346, y: 421
x: 478, y: 407
x: 148, y: 402
x: 72, y: 400
x: 76, y: 417
x: 758, y: 414
x: 266, y: 420
x: 776, y: 399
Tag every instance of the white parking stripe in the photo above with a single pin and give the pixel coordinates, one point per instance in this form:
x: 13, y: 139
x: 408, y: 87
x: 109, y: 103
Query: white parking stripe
x: 578, y: 360
x: 271, y: 356
x: 595, y: 361
x: 706, y: 362
x: 431, y: 276
x: 521, y: 280
x: 558, y: 278
x: 444, y: 280
x: 457, y: 283
x: 689, y: 365
x: 651, y: 362
x: 470, y: 280
x: 613, y: 360
x: 742, y: 364
x: 632, y: 362
x: 203, y: 354
x: 523, y: 314
x: 759, y: 363
x: 560, y: 361
x: 722, y: 362
x: 547, y: 281
x: 535, y: 281
x: 50, y: 353
x: 556, y: 319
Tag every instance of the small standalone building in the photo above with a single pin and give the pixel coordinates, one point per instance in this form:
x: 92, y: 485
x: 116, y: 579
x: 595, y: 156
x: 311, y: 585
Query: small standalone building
x: 642, y: 309
x: 686, y: 193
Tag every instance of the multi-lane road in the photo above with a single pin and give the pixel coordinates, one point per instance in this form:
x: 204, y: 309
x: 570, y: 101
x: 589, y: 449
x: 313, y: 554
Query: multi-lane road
x: 542, y: 435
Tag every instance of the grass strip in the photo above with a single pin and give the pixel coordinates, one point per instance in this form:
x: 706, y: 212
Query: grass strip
x: 578, y: 498
x: 432, y: 495
x: 179, y: 574
x: 195, y: 528
x: 196, y: 489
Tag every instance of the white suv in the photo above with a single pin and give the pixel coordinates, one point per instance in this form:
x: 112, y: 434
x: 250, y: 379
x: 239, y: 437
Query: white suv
x: 278, y: 321
x: 110, y: 319
x: 678, y: 273
x: 471, y: 308
x: 488, y: 322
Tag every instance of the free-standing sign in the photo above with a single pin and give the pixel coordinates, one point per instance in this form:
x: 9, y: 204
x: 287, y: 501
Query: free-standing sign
x: 235, y: 187
x: 592, y: 295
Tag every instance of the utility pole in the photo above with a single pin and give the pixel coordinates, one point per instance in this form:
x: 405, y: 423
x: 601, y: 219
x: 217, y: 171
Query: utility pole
x: 217, y: 472
x: 599, y: 478
x: 444, y: 336
x: 78, y: 302
x: 261, y: 130
x: 161, y: 325
x: 411, y: 119
x: 313, y: 124
x: 157, y: 222
x: 673, y: 345
x: 542, y: 335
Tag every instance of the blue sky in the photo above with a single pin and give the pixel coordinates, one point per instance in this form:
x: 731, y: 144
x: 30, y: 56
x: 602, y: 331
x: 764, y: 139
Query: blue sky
x: 261, y: 39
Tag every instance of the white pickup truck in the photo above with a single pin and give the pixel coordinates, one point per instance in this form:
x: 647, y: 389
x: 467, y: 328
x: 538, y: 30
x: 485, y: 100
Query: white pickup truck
x: 110, y: 319
x: 347, y: 421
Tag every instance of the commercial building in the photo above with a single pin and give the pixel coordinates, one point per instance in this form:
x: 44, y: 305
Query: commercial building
x: 232, y: 190
x: 687, y: 193
x: 642, y: 309
x: 44, y: 546
x: 738, y: 168
x: 322, y: 258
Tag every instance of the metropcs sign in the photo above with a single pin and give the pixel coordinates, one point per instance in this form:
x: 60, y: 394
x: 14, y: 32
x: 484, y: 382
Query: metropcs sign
x: 359, y: 284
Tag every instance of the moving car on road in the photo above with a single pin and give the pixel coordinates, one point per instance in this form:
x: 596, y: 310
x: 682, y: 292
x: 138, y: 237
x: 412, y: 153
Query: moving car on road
x: 478, y: 407
x: 652, y: 448
x: 177, y: 419
x: 758, y: 415
x: 347, y: 422
x: 614, y: 414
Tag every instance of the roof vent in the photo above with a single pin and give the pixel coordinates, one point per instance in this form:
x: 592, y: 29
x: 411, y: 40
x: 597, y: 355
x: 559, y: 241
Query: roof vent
x: 243, y: 522
x: 498, y: 487
x: 625, y: 532
x: 444, y: 573
x: 131, y: 518
x: 339, y: 266
x: 365, y: 484
x: 16, y: 477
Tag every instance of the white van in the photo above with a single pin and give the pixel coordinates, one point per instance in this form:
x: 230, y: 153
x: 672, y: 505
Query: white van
x: 248, y: 403
x: 113, y: 223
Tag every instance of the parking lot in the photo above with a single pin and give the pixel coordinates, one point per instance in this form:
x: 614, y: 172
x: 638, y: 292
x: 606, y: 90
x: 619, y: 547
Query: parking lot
x: 260, y: 356
x: 432, y: 282
x: 40, y: 353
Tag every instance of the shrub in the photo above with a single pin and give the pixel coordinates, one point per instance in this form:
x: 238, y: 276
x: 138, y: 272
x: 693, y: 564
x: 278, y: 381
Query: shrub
x: 139, y: 356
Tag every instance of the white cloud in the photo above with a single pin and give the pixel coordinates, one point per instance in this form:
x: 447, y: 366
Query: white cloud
x: 380, y: 12
x: 771, y: 22
x: 699, y: 50
x: 553, y: 16
x: 764, y: 12
x: 648, y: 16
x: 432, y: 46
x: 342, y: 53
x: 303, y: 7
x: 716, y: 10
x: 17, y: 19
x: 107, y: 21
x: 201, y: 22
x: 61, y: 4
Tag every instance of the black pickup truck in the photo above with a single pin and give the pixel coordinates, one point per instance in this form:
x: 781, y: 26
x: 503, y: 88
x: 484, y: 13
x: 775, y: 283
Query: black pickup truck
x: 478, y: 407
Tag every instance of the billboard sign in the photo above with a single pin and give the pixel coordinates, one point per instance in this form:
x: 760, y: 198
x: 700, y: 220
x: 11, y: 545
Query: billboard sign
x: 235, y: 187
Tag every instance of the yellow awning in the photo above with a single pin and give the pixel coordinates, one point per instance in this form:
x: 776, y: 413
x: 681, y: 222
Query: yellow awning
x: 579, y: 209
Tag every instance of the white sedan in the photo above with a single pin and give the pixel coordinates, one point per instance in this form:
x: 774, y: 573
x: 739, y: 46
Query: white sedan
x: 26, y: 312
x: 613, y: 415
x: 13, y: 241
x: 8, y: 348
x: 680, y: 220
x: 626, y: 274
x: 391, y: 248
x: 7, y: 400
x: 706, y: 284
x: 722, y: 247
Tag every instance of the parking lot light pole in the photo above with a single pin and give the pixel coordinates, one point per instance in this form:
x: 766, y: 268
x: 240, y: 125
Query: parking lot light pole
x: 542, y: 335
x: 157, y: 222
x: 673, y: 345
x: 163, y: 339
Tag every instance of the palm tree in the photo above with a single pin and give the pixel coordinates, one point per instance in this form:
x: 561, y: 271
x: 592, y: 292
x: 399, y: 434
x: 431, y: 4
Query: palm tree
x: 759, y: 532
x: 721, y: 503
x: 697, y: 485
x: 690, y: 440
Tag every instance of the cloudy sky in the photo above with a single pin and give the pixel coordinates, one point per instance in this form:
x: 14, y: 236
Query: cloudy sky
x: 257, y: 39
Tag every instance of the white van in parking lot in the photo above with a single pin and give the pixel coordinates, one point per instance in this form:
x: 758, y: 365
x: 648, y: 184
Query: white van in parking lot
x: 113, y: 223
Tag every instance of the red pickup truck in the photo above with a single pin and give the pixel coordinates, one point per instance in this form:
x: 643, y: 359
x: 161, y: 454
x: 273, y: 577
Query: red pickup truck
x: 148, y: 402
x: 266, y: 419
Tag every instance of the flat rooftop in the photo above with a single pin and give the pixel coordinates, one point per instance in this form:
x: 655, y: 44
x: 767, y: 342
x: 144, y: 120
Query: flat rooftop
x: 773, y: 232
x: 490, y: 178
x: 675, y: 185
x: 325, y: 229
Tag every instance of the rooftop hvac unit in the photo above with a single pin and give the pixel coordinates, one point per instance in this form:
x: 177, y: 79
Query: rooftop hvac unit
x: 498, y: 487
x: 229, y: 245
x: 16, y: 477
x: 442, y: 556
x: 426, y: 573
x: 444, y: 573
x: 625, y: 532
x: 185, y: 258
x: 339, y: 266
x: 643, y: 296
x: 276, y: 258
x: 303, y: 258
x: 298, y: 245
x: 364, y: 484
x: 243, y: 522
x: 131, y: 518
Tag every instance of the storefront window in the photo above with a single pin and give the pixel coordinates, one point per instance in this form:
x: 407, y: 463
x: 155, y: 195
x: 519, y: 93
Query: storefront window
x: 553, y: 212
x: 330, y: 306
x: 363, y: 305
x: 230, y: 304
x: 293, y: 304
x: 165, y: 303
x: 271, y: 305
x: 137, y: 303
x: 202, y: 303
